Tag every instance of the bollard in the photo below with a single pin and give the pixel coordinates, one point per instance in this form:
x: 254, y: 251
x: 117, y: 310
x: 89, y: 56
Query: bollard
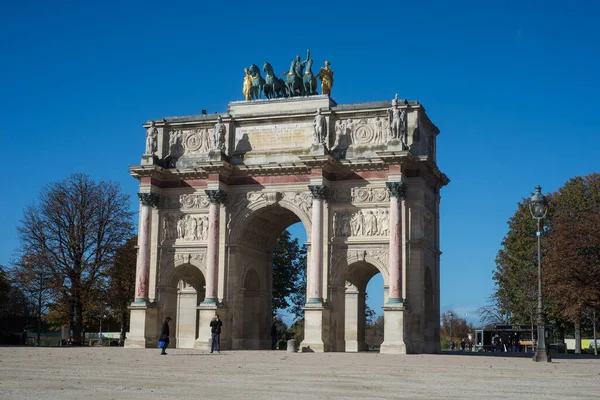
x: 292, y: 347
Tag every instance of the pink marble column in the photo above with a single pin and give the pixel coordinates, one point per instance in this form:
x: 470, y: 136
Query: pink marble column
x: 216, y: 198
x: 315, y: 289
x: 142, y: 274
x: 397, y: 192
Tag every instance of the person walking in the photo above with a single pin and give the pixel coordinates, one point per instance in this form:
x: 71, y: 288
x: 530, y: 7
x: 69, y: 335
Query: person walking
x: 163, y: 340
x: 215, y: 332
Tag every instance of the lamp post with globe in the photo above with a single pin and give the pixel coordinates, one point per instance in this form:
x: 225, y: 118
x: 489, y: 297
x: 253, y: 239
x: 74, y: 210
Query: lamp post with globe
x: 538, y: 208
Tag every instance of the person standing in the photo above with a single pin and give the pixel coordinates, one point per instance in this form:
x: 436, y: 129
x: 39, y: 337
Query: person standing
x: 215, y: 332
x: 163, y: 340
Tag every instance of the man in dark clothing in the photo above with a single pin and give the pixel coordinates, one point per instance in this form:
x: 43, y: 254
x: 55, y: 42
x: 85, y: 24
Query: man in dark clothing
x: 215, y: 331
x: 163, y: 340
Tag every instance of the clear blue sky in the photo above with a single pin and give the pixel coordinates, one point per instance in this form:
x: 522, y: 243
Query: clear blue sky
x: 512, y: 85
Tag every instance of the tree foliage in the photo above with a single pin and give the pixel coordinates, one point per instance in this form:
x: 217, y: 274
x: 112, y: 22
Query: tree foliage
x: 37, y: 284
x: 15, y: 309
x: 121, y: 284
x: 74, y: 232
x: 516, y: 269
x: 571, y: 261
x: 289, y: 275
x: 459, y: 326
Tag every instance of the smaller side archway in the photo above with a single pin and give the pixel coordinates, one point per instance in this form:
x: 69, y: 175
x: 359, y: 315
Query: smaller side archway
x: 182, y: 289
x: 351, y: 280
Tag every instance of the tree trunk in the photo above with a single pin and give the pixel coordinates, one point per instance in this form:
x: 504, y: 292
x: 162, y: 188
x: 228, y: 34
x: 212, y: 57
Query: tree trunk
x: 577, y: 338
x: 595, y: 340
x: 38, y: 325
x: 77, y: 322
x: 123, y: 326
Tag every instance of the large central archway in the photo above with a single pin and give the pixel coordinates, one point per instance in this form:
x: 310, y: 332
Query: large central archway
x: 251, y: 252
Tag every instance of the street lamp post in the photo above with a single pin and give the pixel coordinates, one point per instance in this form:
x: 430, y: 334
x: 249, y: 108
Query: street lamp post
x: 538, y: 209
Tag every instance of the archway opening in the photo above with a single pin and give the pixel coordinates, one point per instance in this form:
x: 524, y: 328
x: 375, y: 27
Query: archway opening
x: 270, y: 266
x: 374, y: 312
x: 357, y: 319
x: 183, y: 292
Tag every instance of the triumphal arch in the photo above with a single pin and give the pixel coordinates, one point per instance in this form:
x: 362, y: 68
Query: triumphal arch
x: 216, y: 191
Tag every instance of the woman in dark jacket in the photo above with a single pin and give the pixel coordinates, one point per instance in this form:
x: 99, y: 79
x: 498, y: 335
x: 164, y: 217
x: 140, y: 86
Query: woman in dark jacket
x: 164, y: 337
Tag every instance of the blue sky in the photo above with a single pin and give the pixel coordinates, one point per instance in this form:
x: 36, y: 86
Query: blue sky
x: 513, y: 87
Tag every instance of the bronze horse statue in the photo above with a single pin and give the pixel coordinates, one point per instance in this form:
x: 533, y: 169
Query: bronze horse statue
x: 258, y: 82
x: 309, y: 80
x: 274, y: 87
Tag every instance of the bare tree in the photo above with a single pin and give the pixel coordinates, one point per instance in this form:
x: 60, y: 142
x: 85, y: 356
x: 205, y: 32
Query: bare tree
x: 74, y: 232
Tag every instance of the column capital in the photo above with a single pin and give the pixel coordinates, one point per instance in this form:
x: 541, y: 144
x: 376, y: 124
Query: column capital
x: 396, y: 189
x: 149, y: 199
x: 216, y: 196
x: 319, y: 192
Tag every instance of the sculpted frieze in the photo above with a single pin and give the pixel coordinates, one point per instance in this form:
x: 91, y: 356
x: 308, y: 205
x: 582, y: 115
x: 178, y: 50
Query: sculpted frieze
x: 185, y: 227
x: 364, y: 131
x: 302, y: 199
x: 186, y: 258
x: 359, y: 195
x: 185, y: 201
x: 373, y: 222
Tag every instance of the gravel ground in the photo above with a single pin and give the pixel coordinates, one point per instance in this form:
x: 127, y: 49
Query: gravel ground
x: 118, y: 373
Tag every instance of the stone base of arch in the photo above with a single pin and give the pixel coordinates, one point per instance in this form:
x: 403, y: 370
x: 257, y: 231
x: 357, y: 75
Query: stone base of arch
x: 393, y: 330
x: 316, y: 329
x: 143, y: 326
x: 206, y: 312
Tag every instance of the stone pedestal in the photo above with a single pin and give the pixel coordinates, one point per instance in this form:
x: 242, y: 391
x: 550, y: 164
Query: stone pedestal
x: 149, y: 159
x: 318, y: 150
x: 316, y: 329
x: 143, y: 331
x: 206, y: 312
x: 393, y: 331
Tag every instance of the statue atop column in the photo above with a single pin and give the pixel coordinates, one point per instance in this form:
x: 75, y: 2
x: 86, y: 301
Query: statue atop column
x: 219, y: 135
x: 397, y: 122
x: 151, y: 139
x: 326, y: 77
x: 247, y: 85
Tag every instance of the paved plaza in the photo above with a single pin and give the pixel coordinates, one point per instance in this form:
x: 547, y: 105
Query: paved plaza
x: 118, y: 373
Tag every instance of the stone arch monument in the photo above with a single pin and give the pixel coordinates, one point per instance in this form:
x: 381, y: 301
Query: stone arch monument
x: 216, y: 191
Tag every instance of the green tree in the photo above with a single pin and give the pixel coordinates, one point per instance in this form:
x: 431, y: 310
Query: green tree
x: 454, y: 328
x: 515, y: 276
x: 289, y: 275
x: 36, y: 283
x: 15, y: 309
x: 121, y: 283
x: 571, y: 261
x: 74, y: 231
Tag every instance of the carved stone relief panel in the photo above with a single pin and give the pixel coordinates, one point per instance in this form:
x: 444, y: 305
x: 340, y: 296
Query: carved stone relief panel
x: 302, y: 199
x: 361, y: 132
x: 184, y: 227
x: 373, y: 222
x: 186, y: 258
x: 360, y: 195
x: 185, y: 201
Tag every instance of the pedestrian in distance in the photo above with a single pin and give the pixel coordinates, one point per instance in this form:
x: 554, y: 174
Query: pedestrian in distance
x: 215, y: 332
x: 163, y: 340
